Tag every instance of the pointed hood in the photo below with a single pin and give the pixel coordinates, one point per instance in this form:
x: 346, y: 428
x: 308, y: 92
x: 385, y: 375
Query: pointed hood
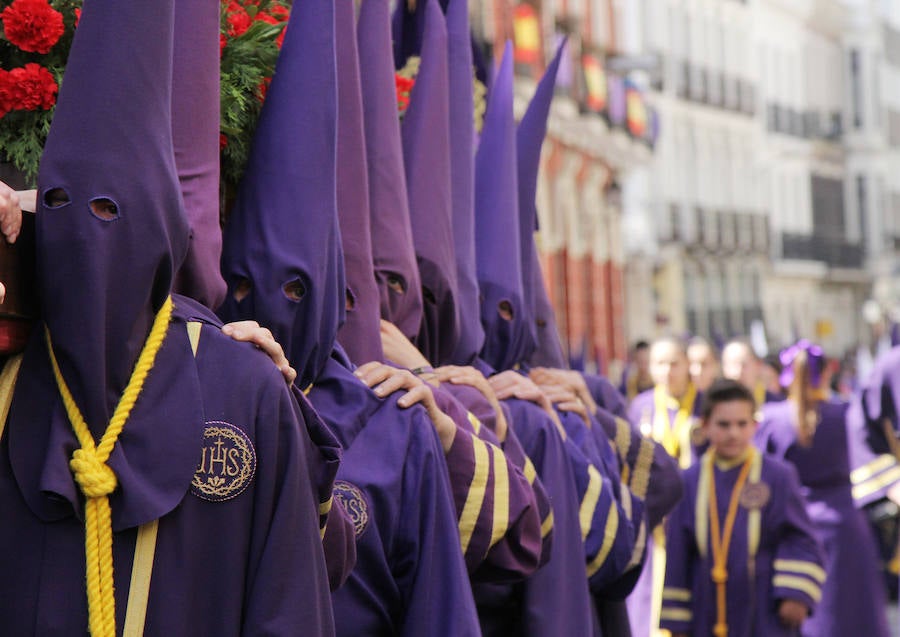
x: 426, y: 157
x: 282, y: 256
x: 462, y: 171
x: 396, y: 271
x: 111, y: 229
x: 195, y: 133
x: 529, y: 139
x: 407, y: 30
x: 361, y: 333
x: 503, y: 313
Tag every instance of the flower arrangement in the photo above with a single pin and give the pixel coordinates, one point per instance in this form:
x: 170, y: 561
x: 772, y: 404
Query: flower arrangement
x: 36, y: 36
x: 250, y: 38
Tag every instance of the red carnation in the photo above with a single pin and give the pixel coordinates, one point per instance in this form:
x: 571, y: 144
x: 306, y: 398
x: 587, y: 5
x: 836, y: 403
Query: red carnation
x: 32, y: 25
x: 222, y: 42
x: 6, y: 94
x: 280, y: 39
x: 33, y: 87
x: 280, y: 12
x: 77, y: 16
x: 404, y: 87
x: 238, y: 22
x: 263, y: 88
x: 223, y: 142
x: 262, y: 16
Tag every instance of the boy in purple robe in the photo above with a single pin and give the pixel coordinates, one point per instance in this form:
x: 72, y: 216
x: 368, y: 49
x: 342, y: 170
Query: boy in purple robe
x: 810, y: 431
x: 742, y: 557
x: 196, y: 494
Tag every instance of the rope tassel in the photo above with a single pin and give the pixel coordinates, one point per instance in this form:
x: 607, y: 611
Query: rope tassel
x: 97, y: 480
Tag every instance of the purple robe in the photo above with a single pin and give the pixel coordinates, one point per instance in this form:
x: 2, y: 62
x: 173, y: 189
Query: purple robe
x: 641, y: 414
x: 871, y: 421
x: 852, y: 602
x: 502, y: 536
x: 225, y: 564
x: 394, y: 484
x: 787, y: 564
x: 541, y: 606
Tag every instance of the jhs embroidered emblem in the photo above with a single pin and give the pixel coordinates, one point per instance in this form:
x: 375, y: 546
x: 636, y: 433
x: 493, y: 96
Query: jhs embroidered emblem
x: 227, y: 463
x: 354, y: 503
x: 755, y: 495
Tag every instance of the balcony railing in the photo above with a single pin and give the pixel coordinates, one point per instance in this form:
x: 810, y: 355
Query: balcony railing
x: 836, y: 253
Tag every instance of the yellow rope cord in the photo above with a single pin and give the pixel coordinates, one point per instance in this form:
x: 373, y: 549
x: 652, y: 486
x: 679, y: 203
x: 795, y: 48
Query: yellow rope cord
x: 721, y: 543
x: 674, y: 435
x: 97, y: 480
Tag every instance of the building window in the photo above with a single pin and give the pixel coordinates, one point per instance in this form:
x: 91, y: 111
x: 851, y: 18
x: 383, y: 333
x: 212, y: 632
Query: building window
x: 862, y: 204
x: 856, y: 87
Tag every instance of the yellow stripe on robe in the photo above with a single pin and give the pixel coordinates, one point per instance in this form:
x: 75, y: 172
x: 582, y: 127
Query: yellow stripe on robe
x: 501, y: 496
x: 547, y: 525
x: 475, y: 497
x: 677, y: 594
x: 609, y: 536
x: 676, y: 614
x: 877, y: 483
x: 798, y: 584
x: 803, y: 567
x: 473, y: 420
x: 871, y: 468
x: 589, y: 501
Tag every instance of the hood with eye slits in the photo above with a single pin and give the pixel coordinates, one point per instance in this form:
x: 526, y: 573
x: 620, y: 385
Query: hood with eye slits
x: 392, y: 246
x: 508, y: 338
x: 360, y: 335
x: 100, y: 280
x: 282, y: 256
x: 529, y: 138
x: 426, y: 156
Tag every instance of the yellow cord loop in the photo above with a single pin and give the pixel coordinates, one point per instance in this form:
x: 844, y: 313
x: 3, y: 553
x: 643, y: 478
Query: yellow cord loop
x: 721, y: 542
x: 97, y: 480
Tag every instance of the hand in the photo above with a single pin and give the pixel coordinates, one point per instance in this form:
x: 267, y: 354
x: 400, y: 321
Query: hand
x: 385, y: 380
x: 456, y: 375
x: 398, y: 349
x: 568, y: 379
x: 11, y: 204
x: 565, y: 399
x: 792, y: 613
x: 511, y: 384
x: 252, y: 332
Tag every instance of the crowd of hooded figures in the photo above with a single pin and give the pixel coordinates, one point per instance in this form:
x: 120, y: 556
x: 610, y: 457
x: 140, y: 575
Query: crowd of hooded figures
x: 431, y: 466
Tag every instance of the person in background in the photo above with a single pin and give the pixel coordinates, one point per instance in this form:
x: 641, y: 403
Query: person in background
x: 740, y: 363
x: 636, y: 378
x: 703, y: 363
x: 742, y: 559
x: 809, y: 430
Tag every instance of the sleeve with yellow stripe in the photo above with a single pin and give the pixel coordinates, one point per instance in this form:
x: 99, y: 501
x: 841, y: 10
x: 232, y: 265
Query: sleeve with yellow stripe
x: 648, y: 470
x: 499, y: 525
x: 682, y: 560
x: 797, y: 571
x: 872, y: 449
x: 607, y: 531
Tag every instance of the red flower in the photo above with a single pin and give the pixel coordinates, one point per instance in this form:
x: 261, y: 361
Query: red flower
x: 223, y: 142
x: 238, y: 22
x: 33, y: 87
x: 6, y: 93
x: 263, y: 88
x: 77, y: 16
x: 262, y: 16
x: 280, y: 12
x: 32, y: 25
x: 222, y: 42
x: 280, y: 39
x: 404, y: 87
